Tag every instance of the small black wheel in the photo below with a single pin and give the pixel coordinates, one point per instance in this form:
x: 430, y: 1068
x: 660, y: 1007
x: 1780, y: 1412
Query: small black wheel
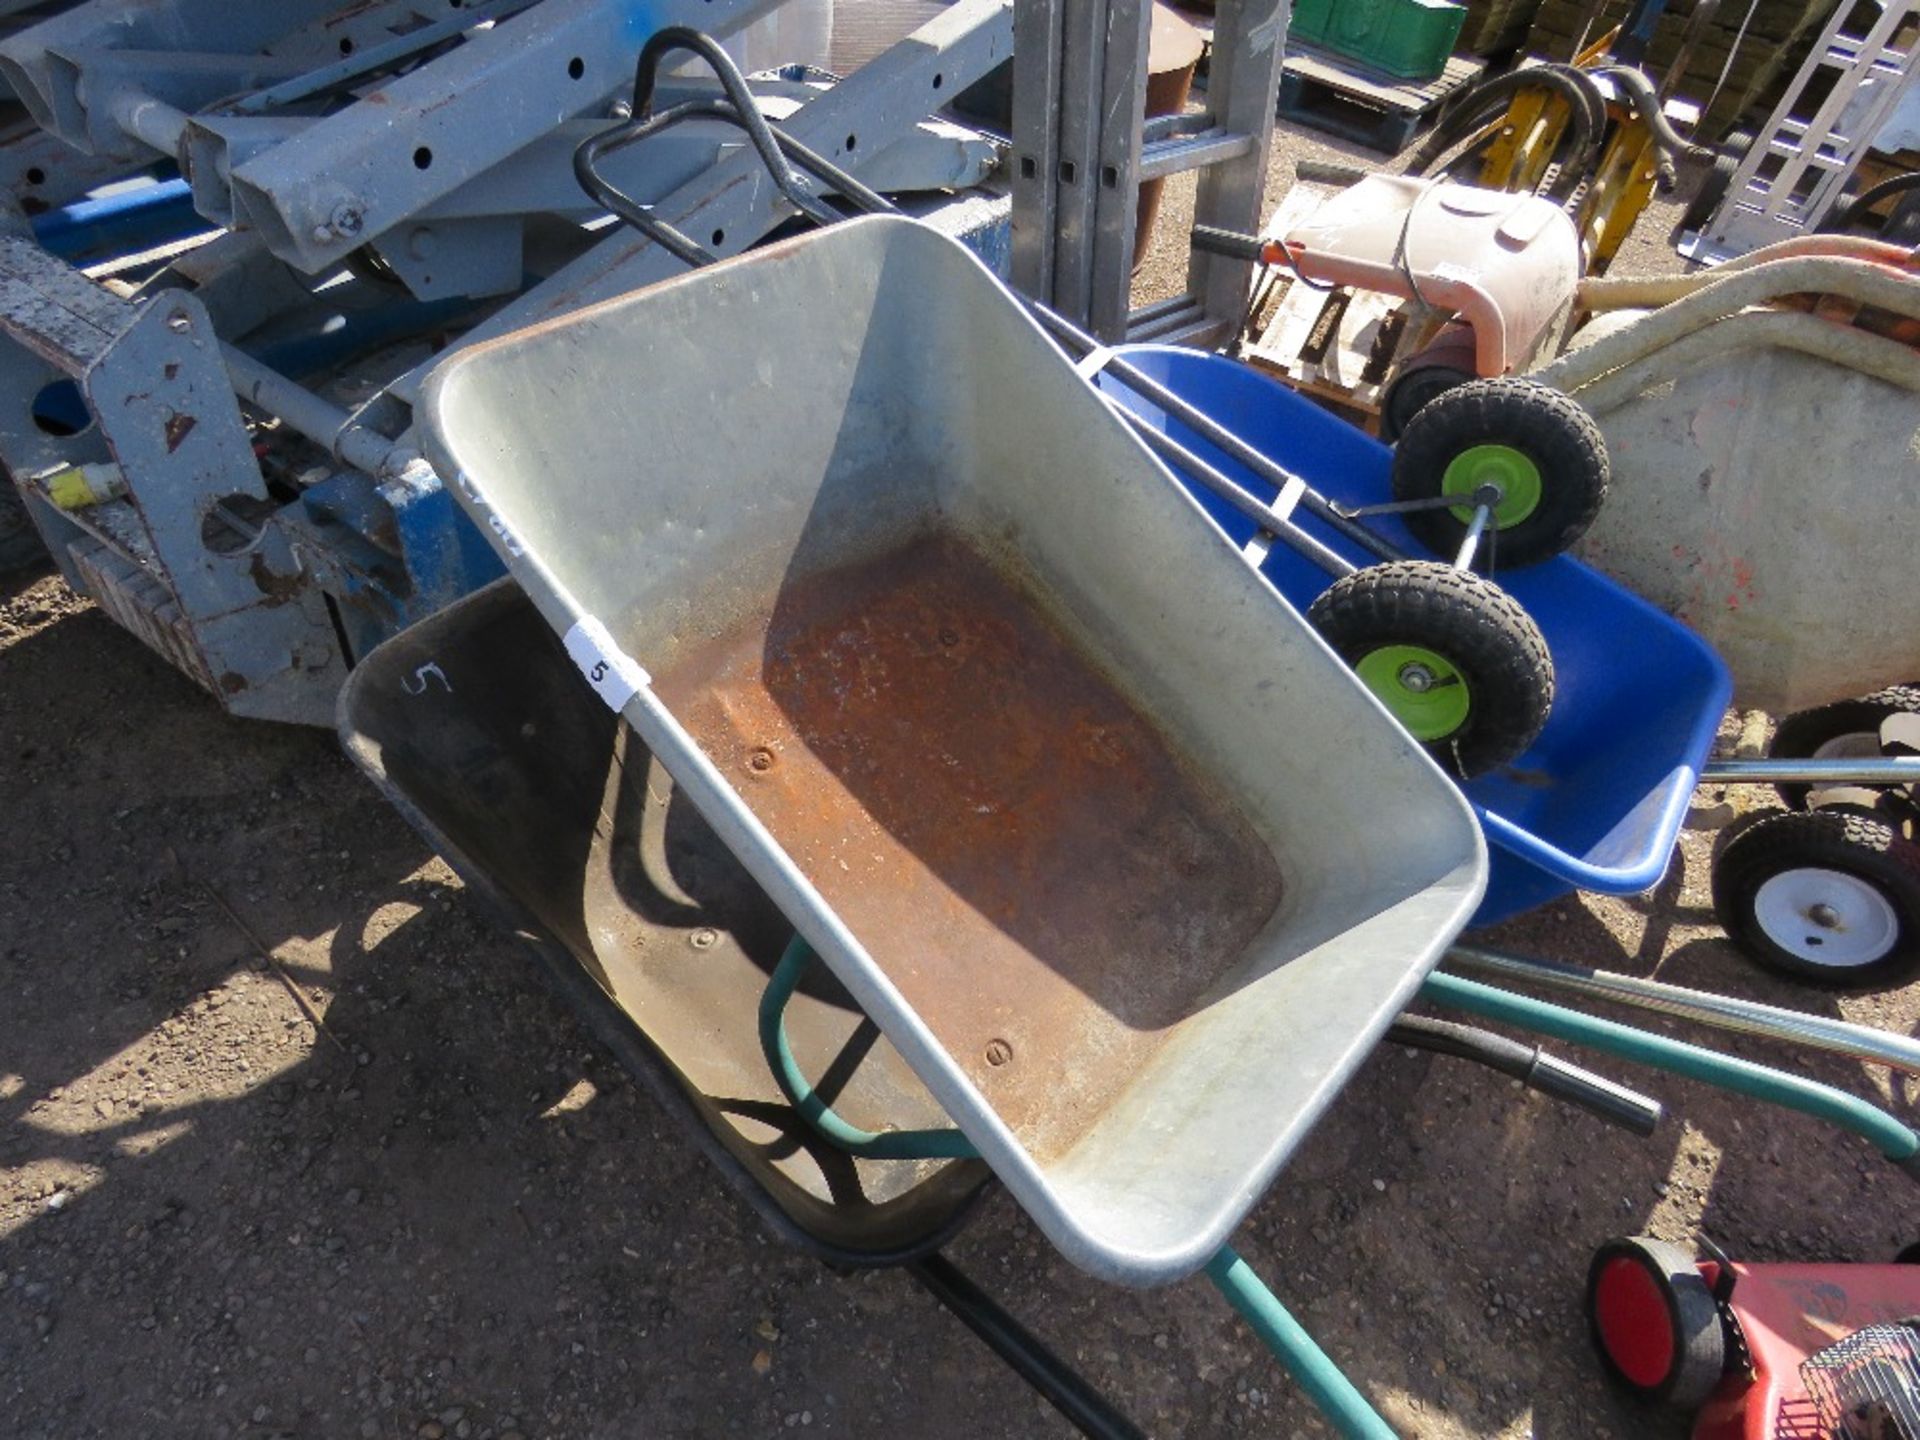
x: 1538, y: 449
x: 1654, y: 1321
x: 19, y: 542
x: 1844, y: 730
x: 1451, y: 655
x: 1829, y: 896
x: 1410, y: 392
x: 1714, y: 184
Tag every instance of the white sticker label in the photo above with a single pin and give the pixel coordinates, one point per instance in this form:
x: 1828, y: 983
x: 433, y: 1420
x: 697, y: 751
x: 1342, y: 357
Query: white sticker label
x: 614, y: 674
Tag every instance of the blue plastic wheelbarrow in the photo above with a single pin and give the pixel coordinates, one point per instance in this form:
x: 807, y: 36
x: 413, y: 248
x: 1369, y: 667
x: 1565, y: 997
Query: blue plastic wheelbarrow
x: 1597, y: 801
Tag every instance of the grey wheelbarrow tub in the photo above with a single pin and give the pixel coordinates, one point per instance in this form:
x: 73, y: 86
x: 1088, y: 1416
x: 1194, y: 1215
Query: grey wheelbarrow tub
x: 1118, y: 855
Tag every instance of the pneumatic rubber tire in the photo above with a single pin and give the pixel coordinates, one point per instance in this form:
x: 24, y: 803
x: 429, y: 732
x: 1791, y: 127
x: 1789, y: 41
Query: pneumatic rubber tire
x: 1412, y: 390
x: 1770, y: 878
x: 1510, y: 429
x: 1653, y: 1318
x: 1714, y: 184
x: 1480, y: 638
x: 1844, y: 730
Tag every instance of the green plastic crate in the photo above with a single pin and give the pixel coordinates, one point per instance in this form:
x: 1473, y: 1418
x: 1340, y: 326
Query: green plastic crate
x: 1410, y: 39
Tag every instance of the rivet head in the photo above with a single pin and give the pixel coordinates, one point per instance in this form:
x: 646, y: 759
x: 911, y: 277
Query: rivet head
x: 704, y: 938
x: 760, y: 759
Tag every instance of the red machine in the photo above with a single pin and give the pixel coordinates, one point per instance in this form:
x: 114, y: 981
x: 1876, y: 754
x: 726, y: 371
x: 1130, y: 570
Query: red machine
x: 1761, y: 1352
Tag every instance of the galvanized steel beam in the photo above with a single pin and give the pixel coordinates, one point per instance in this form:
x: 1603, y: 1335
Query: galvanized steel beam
x: 732, y: 206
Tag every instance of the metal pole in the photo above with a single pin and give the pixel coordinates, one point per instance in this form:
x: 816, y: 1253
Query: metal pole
x: 1723, y: 1012
x: 1867, y: 770
x: 1079, y: 344
x: 1270, y: 521
x: 150, y: 121
x: 1470, y: 542
x: 300, y: 409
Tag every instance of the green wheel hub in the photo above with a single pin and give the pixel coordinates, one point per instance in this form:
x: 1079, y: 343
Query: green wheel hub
x: 1517, y: 477
x: 1419, y: 687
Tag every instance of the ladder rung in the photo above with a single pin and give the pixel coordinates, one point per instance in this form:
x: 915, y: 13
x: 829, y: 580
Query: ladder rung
x: 1162, y: 321
x: 1159, y: 310
x: 1826, y: 155
x: 1191, y: 152
x: 1849, y: 54
x: 1165, y: 127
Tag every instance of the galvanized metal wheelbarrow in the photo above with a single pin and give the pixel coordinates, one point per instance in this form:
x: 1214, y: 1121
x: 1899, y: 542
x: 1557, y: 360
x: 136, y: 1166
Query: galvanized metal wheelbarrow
x: 1092, y: 841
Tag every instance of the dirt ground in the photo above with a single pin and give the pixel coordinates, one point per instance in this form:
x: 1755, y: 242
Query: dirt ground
x: 453, y: 1214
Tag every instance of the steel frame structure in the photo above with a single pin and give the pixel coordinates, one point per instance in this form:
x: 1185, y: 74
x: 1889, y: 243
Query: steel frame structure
x: 403, y: 167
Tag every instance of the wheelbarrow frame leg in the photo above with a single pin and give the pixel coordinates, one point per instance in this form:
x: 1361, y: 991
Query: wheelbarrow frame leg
x: 1050, y: 1377
x: 1311, y: 1368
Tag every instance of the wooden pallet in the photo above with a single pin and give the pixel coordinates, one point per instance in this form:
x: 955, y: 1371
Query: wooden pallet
x: 1378, y: 111
x: 1333, y: 345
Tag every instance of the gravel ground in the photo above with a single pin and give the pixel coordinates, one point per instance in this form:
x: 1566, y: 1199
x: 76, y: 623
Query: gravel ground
x: 451, y: 1213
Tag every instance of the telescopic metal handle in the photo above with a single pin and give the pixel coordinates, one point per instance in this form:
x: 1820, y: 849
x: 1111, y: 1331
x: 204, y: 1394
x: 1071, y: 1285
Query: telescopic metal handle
x: 1595, y: 1094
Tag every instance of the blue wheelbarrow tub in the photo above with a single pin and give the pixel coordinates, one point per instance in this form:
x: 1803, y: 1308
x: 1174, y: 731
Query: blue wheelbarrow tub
x: 1597, y: 802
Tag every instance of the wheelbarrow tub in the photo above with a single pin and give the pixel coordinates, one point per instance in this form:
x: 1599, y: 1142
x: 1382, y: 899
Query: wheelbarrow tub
x: 480, y: 730
x: 1111, y: 846
x: 1597, y: 802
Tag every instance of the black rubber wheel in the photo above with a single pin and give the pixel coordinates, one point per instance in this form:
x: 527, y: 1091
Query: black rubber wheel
x: 1713, y: 185
x: 1909, y: 1254
x: 1653, y: 1319
x: 1830, y: 897
x: 20, y: 544
x: 1853, y: 209
x: 1410, y: 392
x: 1537, y: 445
x: 1451, y: 655
x: 1844, y: 730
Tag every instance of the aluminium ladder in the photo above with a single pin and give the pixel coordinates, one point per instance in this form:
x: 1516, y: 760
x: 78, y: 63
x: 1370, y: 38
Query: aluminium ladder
x: 1081, y: 150
x: 1795, y: 170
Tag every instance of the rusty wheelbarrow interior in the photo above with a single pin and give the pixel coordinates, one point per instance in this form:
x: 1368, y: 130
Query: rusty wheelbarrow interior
x: 1121, y: 859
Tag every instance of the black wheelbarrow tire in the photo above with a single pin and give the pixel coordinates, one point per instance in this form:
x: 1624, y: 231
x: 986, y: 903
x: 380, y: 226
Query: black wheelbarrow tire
x: 1773, y: 877
x: 1653, y: 1318
x: 1451, y: 655
x: 1844, y: 730
x: 1541, y: 447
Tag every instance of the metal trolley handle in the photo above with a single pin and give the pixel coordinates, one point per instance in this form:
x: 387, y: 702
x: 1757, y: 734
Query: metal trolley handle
x: 779, y: 152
